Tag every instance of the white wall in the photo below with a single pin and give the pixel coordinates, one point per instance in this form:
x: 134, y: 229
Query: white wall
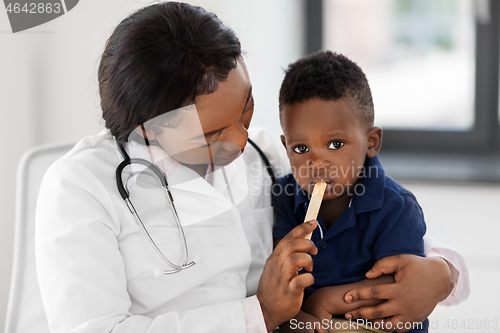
x: 48, y: 89
x: 465, y: 216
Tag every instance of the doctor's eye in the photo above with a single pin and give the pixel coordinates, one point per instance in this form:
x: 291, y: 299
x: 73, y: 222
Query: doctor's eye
x: 250, y: 105
x: 211, y: 139
x: 301, y: 149
x: 334, y: 145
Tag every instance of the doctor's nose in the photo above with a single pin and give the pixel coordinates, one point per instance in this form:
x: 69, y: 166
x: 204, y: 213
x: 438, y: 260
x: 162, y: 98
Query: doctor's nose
x: 236, y: 139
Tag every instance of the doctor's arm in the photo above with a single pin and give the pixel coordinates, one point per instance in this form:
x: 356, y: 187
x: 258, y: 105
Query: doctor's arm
x: 442, y: 276
x: 414, y: 276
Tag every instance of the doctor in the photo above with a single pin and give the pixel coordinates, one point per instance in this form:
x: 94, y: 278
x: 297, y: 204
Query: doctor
x: 175, y: 93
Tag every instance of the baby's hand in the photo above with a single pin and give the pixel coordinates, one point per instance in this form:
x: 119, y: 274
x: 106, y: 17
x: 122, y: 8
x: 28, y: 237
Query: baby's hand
x: 329, y: 301
x: 321, y: 304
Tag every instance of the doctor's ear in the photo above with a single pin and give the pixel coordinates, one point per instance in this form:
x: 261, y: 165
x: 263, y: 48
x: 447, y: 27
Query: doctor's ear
x: 374, y: 141
x: 146, y: 134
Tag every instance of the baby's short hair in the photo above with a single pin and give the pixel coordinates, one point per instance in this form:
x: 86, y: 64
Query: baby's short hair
x: 328, y: 76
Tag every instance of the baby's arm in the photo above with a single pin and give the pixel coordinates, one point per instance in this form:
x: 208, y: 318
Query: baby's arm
x: 329, y: 301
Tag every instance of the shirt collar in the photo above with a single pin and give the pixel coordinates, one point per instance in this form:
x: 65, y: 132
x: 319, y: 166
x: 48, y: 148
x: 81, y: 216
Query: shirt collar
x: 371, y: 189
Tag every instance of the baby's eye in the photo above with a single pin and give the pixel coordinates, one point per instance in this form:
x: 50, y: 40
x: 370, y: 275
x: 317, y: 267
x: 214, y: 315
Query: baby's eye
x: 300, y: 149
x: 335, y: 145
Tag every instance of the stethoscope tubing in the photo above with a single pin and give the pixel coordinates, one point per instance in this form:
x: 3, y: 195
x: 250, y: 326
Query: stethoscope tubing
x: 177, y: 268
x: 125, y: 194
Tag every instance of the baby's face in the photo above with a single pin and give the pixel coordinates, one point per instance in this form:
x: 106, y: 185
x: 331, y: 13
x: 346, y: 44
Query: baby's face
x: 324, y: 140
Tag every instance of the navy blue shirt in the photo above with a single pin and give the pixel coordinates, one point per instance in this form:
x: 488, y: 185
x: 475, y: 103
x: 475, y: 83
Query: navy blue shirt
x: 385, y: 219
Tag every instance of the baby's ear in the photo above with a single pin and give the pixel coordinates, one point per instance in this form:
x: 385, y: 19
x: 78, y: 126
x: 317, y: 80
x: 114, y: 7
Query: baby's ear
x: 374, y: 140
x: 283, y: 141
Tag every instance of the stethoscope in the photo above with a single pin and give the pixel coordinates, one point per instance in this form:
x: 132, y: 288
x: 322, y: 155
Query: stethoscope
x: 125, y: 194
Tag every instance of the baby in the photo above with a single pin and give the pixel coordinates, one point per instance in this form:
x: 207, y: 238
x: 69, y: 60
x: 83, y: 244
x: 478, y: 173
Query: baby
x: 327, y: 115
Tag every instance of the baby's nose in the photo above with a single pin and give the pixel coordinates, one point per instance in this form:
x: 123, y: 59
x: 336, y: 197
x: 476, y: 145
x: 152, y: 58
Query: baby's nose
x: 319, y: 161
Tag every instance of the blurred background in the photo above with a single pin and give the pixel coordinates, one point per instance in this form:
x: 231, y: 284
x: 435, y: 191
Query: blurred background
x: 433, y: 66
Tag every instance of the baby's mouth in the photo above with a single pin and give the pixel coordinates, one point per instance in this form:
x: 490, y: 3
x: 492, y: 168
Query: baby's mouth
x: 327, y: 181
x: 329, y: 184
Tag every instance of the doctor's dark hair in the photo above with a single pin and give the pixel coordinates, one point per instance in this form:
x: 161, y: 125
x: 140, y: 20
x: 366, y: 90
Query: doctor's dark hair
x: 159, y: 59
x: 328, y: 76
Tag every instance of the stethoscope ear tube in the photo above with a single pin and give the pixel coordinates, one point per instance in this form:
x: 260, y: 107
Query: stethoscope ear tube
x: 119, y: 182
x: 128, y: 161
x: 269, y: 168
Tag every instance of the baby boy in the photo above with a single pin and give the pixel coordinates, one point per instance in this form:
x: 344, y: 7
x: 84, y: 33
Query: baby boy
x: 327, y: 117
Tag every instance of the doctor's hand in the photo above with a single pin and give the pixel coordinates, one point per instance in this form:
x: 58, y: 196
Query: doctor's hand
x: 420, y: 283
x: 281, y: 287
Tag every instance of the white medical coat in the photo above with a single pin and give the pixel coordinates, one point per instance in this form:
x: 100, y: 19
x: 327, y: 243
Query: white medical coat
x: 96, y: 266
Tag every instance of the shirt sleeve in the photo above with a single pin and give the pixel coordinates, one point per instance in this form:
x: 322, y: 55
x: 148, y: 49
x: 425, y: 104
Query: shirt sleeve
x: 404, y: 232
x: 253, y: 315
x: 459, y: 288
x: 81, y: 271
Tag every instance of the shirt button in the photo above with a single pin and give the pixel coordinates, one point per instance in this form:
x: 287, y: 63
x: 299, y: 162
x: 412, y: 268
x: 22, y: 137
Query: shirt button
x: 323, y: 244
x: 234, y: 279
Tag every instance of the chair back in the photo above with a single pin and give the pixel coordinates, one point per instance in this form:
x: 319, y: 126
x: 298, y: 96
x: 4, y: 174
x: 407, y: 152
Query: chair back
x: 25, y: 311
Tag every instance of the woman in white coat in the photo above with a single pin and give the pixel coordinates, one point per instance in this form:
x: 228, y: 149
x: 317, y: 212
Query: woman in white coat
x: 97, y: 269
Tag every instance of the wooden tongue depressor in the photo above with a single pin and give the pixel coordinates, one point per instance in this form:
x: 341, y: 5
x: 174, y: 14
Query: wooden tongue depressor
x: 315, y: 203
